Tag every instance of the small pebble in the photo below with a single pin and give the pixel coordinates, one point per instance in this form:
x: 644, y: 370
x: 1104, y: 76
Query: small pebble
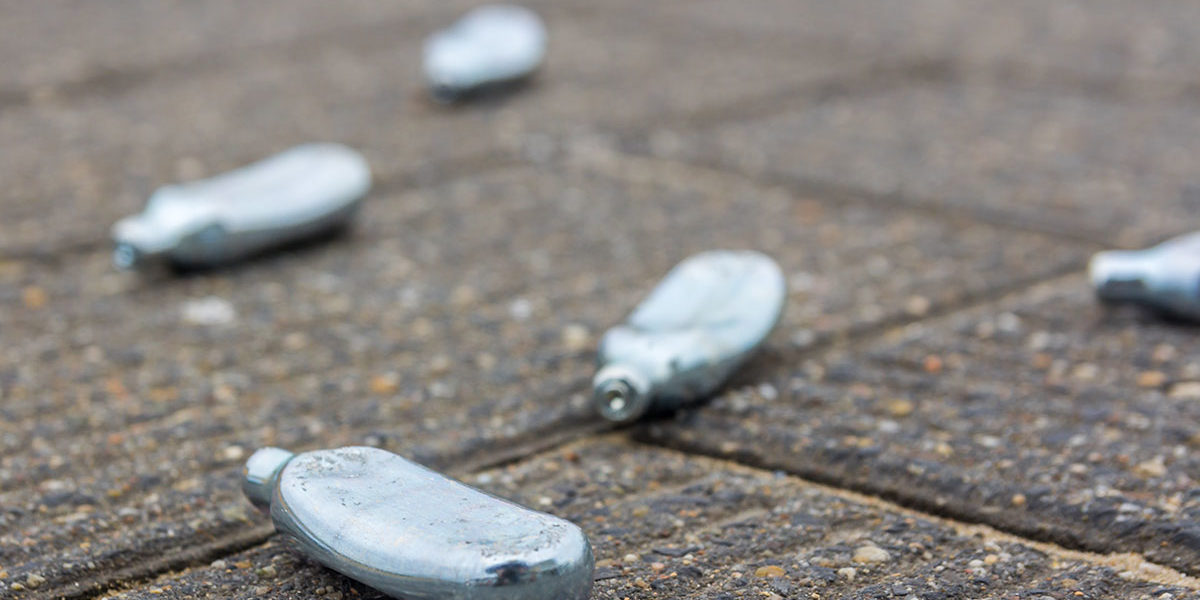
x: 1085, y: 372
x: 768, y: 391
x: 1189, y: 390
x: 34, y: 581
x: 630, y: 558
x: 34, y: 297
x: 871, y: 554
x: 804, y: 338
x: 576, y: 337
x: 520, y: 309
x: 932, y: 364
x: 1151, y: 468
x: 917, y: 306
x: 463, y: 295
x: 1018, y: 500
x: 1163, y: 353
x: 440, y: 365
x: 848, y: 573
x: 210, y: 310
x: 385, y: 383
x: 769, y: 571
x: 900, y: 407
x: 1151, y: 379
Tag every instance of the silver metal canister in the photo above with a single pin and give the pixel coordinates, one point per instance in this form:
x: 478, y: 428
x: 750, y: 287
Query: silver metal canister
x: 1165, y: 277
x: 412, y: 533
x: 683, y: 341
x: 490, y: 45
x: 302, y: 192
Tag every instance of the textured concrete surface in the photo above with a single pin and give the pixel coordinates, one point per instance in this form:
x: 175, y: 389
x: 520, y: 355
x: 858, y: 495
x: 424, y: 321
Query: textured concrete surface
x: 1107, y: 46
x: 1065, y: 162
x: 931, y: 176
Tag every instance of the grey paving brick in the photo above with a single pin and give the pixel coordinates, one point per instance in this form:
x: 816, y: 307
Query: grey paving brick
x: 665, y: 525
x: 1118, y: 172
x: 1041, y: 414
x: 67, y: 46
x: 1108, y: 46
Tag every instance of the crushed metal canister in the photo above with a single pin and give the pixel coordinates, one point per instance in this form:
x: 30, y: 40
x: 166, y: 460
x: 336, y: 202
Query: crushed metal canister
x: 302, y: 192
x: 683, y: 341
x: 1165, y: 278
x: 412, y: 533
x: 491, y: 45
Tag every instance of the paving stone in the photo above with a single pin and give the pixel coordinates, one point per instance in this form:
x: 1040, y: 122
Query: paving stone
x: 1040, y: 414
x: 1121, y: 173
x: 130, y: 413
x: 58, y: 46
x: 76, y: 166
x: 1107, y: 46
x: 666, y: 525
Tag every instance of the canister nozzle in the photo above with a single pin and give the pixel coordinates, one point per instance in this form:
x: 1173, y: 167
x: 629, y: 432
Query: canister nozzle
x: 1118, y: 275
x: 262, y: 469
x: 620, y: 394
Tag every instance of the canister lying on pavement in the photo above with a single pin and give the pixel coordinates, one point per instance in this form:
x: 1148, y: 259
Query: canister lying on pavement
x: 491, y: 45
x: 697, y: 326
x: 1165, y: 278
x: 412, y: 533
x: 302, y: 192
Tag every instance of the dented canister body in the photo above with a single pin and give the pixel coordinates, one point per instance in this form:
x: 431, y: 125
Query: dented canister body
x: 412, y: 533
x: 302, y: 192
x: 491, y: 45
x: 698, y: 325
x: 1165, y: 278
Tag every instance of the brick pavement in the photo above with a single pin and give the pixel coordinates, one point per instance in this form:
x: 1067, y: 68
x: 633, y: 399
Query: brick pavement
x: 931, y: 176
